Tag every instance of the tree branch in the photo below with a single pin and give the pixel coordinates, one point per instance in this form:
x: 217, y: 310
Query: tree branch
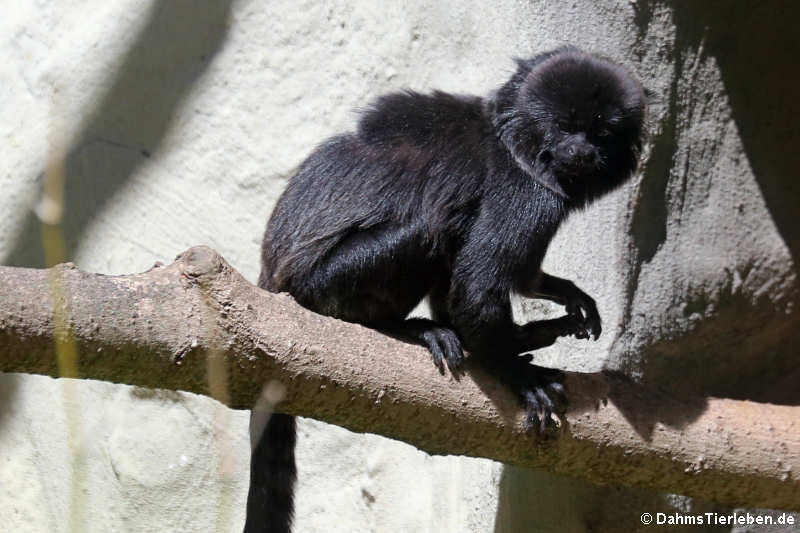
x: 171, y: 326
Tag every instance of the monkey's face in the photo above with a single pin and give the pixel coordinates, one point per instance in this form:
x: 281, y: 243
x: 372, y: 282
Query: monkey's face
x: 577, y: 147
x: 581, y: 118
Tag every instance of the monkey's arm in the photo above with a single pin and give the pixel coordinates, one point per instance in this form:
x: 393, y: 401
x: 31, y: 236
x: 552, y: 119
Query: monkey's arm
x: 480, y: 310
x: 563, y: 291
x: 481, y: 314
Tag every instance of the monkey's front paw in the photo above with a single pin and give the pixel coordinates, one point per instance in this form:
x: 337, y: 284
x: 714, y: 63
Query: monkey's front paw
x: 582, y: 307
x: 569, y: 325
x: 445, y: 346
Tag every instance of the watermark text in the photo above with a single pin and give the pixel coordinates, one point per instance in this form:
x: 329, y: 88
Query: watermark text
x: 736, y: 518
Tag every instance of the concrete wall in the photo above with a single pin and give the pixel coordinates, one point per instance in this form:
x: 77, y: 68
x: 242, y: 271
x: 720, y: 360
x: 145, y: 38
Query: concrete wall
x: 181, y: 124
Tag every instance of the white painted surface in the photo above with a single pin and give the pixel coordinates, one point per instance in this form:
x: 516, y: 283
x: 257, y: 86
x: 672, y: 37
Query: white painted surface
x: 186, y: 137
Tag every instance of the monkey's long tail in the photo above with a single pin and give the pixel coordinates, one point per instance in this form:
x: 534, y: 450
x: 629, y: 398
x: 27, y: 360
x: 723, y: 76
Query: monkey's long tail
x: 270, y: 500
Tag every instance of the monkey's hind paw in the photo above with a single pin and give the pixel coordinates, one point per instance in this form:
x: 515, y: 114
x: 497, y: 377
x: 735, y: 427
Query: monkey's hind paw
x: 542, y: 404
x: 540, y: 390
x: 445, y: 347
x: 441, y: 341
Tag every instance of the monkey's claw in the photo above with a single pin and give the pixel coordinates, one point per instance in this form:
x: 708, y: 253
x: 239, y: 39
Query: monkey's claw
x: 445, y: 347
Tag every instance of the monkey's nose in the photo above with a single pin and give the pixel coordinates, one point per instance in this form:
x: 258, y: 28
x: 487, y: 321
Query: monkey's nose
x: 581, y: 154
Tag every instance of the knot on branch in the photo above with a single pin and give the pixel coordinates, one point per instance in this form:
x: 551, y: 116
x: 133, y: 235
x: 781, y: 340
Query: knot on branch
x: 201, y: 264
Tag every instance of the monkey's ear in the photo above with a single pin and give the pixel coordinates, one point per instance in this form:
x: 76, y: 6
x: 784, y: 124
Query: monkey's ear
x: 491, y: 103
x: 651, y: 96
x: 523, y: 65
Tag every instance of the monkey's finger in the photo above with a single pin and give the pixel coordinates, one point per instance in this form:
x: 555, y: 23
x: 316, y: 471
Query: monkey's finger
x: 581, y: 333
x: 436, y: 351
x: 558, y: 393
x: 545, y: 401
x: 531, y: 420
x: 593, y: 321
x: 544, y: 412
x: 454, y: 355
x: 597, y: 328
x: 567, y: 325
x: 547, y: 425
x: 531, y: 411
x: 575, y: 310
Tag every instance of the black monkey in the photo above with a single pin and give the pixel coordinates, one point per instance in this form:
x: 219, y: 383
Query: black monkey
x: 455, y: 198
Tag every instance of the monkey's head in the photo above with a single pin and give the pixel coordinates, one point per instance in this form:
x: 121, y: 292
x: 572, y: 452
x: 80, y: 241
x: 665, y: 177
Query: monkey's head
x: 573, y: 121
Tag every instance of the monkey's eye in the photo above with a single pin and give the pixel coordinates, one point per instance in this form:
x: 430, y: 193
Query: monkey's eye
x: 600, y: 126
x: 565, y: 126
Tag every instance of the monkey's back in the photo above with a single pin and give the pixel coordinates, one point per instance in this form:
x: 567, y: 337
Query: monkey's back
x: 415, y: 162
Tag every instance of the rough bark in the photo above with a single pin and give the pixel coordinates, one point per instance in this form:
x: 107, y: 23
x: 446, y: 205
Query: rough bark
x: 174, y: 326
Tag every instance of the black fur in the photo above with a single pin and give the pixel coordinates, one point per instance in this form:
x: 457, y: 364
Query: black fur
x: 270, y: 500
x: 457, y: 198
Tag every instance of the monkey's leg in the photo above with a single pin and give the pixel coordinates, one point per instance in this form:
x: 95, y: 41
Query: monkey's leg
x: 540, y: 390
x: 375, y: 276
x: 498, y: 342
x: 481, y: 310
x: 577, y: 303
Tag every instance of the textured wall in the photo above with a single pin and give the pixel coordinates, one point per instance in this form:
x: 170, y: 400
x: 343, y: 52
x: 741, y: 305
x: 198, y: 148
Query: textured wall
x: 181, y: 125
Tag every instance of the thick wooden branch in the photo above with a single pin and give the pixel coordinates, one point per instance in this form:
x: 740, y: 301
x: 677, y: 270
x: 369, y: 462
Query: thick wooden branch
x: 167, y: 327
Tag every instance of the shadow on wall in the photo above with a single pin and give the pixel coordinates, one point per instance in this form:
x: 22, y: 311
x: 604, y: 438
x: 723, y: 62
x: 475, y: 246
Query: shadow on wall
x: 535, y: 500
x: 173, y: 49
x: 744, y: 351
